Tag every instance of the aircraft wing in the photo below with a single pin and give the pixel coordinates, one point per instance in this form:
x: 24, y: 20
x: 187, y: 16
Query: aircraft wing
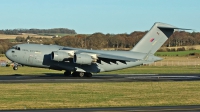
x: 105, y: 57
x: 100, y: 55
x: 114, y: 57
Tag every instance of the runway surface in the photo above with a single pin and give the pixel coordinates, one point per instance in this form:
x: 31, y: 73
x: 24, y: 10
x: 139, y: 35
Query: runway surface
x: 52, y: 78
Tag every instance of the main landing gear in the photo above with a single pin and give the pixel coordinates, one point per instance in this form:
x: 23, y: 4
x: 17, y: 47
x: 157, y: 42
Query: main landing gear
x: 81, y: 74
x: 78, y: 74
x: 67, y: 73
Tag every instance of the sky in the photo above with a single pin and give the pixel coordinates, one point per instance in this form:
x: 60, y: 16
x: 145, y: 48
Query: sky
x: 105, y: 16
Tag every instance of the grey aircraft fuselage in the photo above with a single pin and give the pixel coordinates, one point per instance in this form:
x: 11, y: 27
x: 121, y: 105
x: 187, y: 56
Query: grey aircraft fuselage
x: 38, y: 55
x: 84, y: 62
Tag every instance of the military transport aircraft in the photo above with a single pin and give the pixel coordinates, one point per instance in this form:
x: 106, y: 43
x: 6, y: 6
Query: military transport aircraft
x: 84, y: 62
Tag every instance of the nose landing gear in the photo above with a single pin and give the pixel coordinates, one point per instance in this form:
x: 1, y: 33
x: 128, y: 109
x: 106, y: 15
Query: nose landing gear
x: 15, y: 67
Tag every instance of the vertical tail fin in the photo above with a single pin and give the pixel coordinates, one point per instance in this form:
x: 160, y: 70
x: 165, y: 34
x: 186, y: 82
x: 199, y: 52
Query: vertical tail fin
x: 155, y: 38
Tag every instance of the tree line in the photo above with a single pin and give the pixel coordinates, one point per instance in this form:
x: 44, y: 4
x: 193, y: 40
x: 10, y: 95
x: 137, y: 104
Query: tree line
x: 37, y: 31
x: 105, y: 41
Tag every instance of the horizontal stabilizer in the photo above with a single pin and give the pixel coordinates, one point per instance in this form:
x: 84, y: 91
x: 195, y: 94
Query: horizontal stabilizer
x: 164, y: 27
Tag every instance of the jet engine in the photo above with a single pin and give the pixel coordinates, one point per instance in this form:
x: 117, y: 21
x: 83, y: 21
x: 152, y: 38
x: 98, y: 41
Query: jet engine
x: 60, y: 55
x: 87, y: 59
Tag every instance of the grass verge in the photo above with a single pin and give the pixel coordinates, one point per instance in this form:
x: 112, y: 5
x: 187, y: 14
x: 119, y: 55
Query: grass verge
x: 177, y: 53
x: 71, y: 95
x: 27, y: 71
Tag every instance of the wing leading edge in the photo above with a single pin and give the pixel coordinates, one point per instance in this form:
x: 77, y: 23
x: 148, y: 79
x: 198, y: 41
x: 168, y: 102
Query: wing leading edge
x: 114, y: 57
x: 101, y: 56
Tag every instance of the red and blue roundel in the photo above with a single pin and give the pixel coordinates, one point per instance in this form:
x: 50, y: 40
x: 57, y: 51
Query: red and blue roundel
x: 152, y: 39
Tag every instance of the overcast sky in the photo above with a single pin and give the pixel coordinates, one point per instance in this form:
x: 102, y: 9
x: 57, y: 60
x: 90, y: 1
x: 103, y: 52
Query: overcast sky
x: 106, y: 16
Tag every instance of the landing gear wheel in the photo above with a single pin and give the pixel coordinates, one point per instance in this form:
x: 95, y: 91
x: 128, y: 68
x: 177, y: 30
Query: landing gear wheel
x: 67, y: 73
x: 81, y: 74
x: 88, y: 74
x: 15, y: 68
x: 75, y: 74
x: 78, y: 74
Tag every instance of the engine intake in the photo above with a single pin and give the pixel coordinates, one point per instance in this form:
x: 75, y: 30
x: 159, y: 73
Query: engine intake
x: 60, y: 55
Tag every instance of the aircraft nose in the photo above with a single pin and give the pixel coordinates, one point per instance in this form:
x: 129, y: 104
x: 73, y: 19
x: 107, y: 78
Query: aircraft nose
x: 8, y: 53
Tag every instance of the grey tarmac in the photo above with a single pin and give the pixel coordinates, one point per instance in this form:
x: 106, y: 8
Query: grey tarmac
x: 56, y: 78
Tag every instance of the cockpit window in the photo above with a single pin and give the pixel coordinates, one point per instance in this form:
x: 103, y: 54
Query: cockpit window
x: 16, y: 48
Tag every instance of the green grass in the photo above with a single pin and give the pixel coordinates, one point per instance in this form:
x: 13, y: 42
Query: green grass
x: 176, y: 53
x: 27, y: 71
x: 73, y: 95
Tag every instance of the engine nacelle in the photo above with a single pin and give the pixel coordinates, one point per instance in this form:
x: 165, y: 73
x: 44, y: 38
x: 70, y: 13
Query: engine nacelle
x: 60, y: 55
x: 84, y: 59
